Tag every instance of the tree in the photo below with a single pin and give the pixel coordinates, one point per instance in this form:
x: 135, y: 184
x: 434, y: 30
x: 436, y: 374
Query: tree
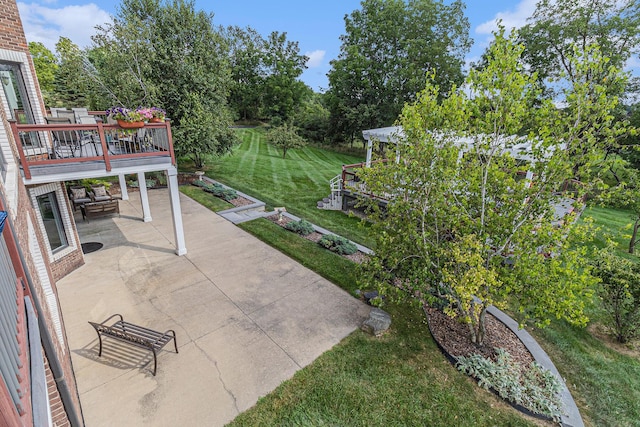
x: 460, y: 227
x: 620, y: 293
x: 202, y: 132
x: 285, y: 137
x: 312, y: 118
x: 283, y: 92
x: 71, y: 83
x: 387, y: 49
x: 46, y: 66
x: 247, y: 71
x: 176, y: 60
x: 557, y: 28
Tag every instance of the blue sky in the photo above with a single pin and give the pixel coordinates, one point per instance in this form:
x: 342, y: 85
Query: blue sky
x: 316, y: 25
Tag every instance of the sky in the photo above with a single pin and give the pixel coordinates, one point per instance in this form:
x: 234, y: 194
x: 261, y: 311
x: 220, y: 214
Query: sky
x: 315, y: 25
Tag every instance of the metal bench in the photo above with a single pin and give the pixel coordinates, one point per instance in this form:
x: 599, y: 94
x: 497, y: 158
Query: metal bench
x: 135, y: 335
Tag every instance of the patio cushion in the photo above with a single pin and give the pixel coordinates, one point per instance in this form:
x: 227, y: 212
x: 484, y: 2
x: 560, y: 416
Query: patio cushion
x: 99, y: 191
x: 79, y: 193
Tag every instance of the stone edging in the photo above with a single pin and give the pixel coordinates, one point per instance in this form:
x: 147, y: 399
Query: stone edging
x: 570, y: 414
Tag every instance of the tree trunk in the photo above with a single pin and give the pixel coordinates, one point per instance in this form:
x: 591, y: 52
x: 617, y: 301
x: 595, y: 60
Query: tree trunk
x: 634, y: 236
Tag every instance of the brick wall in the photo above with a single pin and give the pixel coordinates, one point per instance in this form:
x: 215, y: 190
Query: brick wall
x: 11, y: 32
x: 58, y: 414
x: 22, y: 214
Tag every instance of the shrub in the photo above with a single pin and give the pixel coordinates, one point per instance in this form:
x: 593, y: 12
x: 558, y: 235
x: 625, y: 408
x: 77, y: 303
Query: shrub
x: 620, y: 293
x: 535, y: 388
x: 338, y: 244
x: 149, y: 182
x: 217, y: 190
x: 301, y: 227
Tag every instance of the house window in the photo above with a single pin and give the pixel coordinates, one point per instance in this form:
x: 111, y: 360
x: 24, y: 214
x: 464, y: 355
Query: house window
x: 15, y: 93
x: 52, y: 219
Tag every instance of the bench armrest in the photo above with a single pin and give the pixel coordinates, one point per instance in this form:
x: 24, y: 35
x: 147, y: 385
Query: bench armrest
x: 111, y: 317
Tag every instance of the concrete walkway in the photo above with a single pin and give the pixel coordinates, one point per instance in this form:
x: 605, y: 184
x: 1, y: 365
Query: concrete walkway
x: 246, y: 316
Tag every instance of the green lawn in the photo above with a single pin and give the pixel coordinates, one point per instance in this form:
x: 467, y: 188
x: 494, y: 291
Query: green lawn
x: 208, y: 200
x: 297, y: 182
x: 403, y: 379
x: 604, y: 383
x: 614, y: 224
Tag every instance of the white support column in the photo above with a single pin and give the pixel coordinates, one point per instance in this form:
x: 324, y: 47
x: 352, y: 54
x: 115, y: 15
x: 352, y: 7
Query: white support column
x: 123, y: 187
x: 176, y: 211
x: 144, y: 198
x: 369, y: 152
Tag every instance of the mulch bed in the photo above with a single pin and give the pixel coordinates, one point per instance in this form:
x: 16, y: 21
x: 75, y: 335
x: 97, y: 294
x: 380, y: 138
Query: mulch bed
x: 453, y: 337
x: 240, y: 201
x: 358, y: 257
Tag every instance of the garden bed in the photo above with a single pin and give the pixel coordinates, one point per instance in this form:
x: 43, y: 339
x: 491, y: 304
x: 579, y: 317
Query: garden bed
x: 358, y: 257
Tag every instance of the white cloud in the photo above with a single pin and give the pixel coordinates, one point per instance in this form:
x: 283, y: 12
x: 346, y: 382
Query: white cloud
x: 514, y: 18
x: 46, y: 24
x: 315, y: 58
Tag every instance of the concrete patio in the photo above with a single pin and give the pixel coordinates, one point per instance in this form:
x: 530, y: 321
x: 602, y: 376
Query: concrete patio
x: 246, y: 316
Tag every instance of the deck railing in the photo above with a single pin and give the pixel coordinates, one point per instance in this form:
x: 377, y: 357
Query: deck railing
x: 351, y: 181
x: 55, y: 144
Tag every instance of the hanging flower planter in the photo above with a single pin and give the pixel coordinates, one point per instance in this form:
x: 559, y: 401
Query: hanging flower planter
x: 130, y: 125
x: 156, y: 120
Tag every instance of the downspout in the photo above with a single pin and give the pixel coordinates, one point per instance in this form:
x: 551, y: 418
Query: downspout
x: 47, y: 341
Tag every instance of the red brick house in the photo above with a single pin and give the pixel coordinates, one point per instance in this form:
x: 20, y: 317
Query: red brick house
x: 39, y: 242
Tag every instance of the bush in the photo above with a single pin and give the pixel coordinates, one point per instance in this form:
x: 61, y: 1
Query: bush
x: 217, y: 190
x: 620, y: 293
x: 338, y: 244
x: 149, y: 182
x: 302, y: 227
x: 536, y: 389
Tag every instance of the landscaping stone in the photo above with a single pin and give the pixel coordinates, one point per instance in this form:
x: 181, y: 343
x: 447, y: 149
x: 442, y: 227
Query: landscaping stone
x: 378, y: 322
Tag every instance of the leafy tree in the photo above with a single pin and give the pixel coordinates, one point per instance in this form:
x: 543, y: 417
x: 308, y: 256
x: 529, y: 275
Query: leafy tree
x: 285, y: 137
x: 248, y: 72
x: 387, y: 49
x: 70, y: 81
x: 558, y: 27
x: 312, y: 118
x: 46, y: 66
x: 620, y: 293
x: 459, y: 226
x: 176, y: 60
x: 283, y: 91
x: 203, y: 132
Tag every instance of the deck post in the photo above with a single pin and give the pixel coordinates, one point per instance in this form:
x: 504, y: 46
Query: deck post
x: 176, y: 211
x: 144, y: 197
x: 124, y: 193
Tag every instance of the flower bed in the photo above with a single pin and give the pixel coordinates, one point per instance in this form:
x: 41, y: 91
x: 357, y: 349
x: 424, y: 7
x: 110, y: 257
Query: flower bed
x: 357, y: 257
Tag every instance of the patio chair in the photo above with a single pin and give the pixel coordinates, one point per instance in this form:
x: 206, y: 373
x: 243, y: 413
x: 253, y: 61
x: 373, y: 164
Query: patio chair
x: 66, y: 143
x: 67, y: 115
x: 54, y: 111
x: 79, y: 196
x: 79, y: 112
x: 99, y: 193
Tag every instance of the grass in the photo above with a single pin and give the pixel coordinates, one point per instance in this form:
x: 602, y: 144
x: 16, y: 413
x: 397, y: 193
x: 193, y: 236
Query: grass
x: 401, y: 379
x: 297, y: 182
x: 604, y: 383
x: 329, y: 265
x: 207, y: 200
x: 612, y: 223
